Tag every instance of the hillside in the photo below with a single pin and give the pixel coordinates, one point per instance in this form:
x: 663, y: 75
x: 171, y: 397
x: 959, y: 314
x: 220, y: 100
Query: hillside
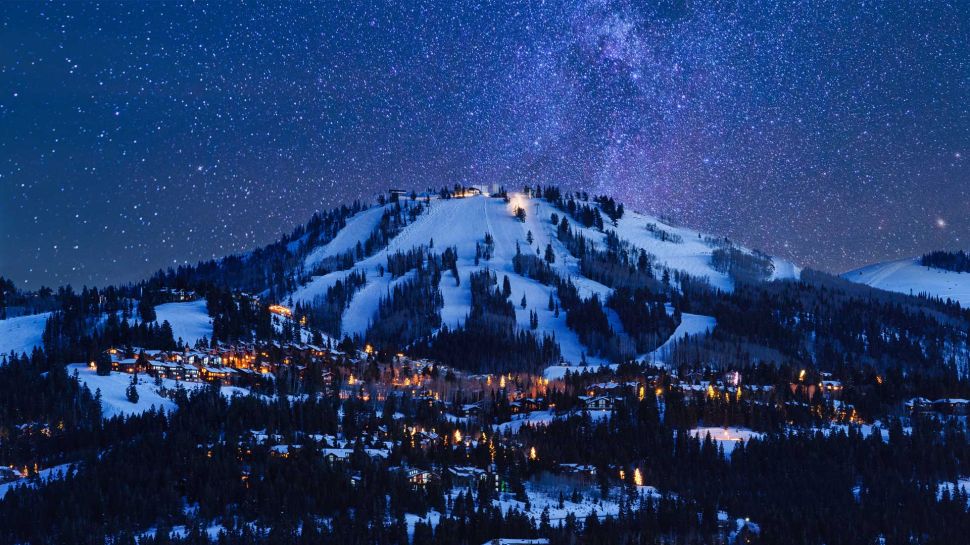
x: 462, y: 224
x: 909, y: 277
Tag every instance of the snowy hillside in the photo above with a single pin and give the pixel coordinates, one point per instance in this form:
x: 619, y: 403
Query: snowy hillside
x: 909, y: 277
x: 680, y: 249
x: 190, y: 321
x: 462, y: 223
x: 22, y: 334
x: 114, y: 400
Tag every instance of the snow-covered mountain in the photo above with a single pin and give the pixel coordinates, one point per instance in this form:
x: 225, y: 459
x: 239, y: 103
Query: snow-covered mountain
x: 462, y: 223
x: 909, y: 277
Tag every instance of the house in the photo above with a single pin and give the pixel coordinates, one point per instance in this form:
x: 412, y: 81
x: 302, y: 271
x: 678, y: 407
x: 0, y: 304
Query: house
x: 164, y: 369
x: 214, y: 372
x: 466, y: 476
x: 598, y: 403
x: 127, y: 365
x: 421, y: 477
x: 832, y: 388
x: 918, y: 404
x: 952, y: 406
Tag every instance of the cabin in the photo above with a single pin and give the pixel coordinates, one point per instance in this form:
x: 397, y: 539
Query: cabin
x: 127, y: 365
x: 832, y: 388
x: 470, y: 191
x: 951, y: 406
x: 214, y: 372
x: 598, y: 403
x: 466, y: 476
x: 419, y: 478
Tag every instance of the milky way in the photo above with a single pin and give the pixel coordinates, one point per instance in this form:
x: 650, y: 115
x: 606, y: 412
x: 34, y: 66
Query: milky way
x: 137, y: 136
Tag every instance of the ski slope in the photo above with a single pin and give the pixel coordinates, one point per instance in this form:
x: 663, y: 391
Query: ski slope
x: 909, y: 277
x: 190, y: 321
x: 23, y: 333
x: 358, y: 228
x: 690, y: 325
x: 684, y: 250
x: 461, y: 223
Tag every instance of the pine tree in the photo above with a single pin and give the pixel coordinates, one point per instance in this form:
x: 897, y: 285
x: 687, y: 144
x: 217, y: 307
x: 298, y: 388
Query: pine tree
x: 132, y: 391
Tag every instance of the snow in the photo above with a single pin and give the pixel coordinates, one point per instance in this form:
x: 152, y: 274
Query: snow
x: 190, y: 321
x: 43, y: 476
x: 557, y: 372
x: 318, y: 286
x: 463, y: 222
x: 114, y: 401
x: 363, y: 307
x: 411, y: 520
x: 542, y: 418
x: 727, y: 438
x: 687, y: 250
x: 690, y: 324
x: 909, y: 277
x: 459, y: 223
x: 541, y: 499
x: 962, y: 485
x: 358, y: 228
x: 22, y: 334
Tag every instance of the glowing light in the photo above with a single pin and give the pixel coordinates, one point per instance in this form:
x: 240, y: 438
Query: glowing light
x: 801, y: 375
x: 637, y: 477
x: 532, y: 454
x: 281, y: 310
x: 457, y: 436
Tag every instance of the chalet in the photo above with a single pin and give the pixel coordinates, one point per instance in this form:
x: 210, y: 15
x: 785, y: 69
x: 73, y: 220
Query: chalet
x: 951, y: 406
x: 166, y: 369
x: 611, y: 388
x: 216, y: 372
x: 598, y: 403
x: 422, y: 478
x: 465, y: 476
x: 473, y: 409
x: 469, y: 191
x: 127, y: 365
x: 190, y: 372
x: 918, y: 405
x: 832, y: 388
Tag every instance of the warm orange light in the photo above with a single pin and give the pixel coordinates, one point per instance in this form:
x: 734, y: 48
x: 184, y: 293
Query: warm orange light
x: 637, y: 477
x: 457, y: 436
x: 532, y: 454
x: 281, y: 310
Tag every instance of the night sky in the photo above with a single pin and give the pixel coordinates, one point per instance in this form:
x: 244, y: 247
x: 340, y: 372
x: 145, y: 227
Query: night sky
x: 136, y: 136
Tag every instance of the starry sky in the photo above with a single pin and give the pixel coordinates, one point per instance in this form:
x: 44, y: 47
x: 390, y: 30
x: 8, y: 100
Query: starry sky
x: 139, y: 135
